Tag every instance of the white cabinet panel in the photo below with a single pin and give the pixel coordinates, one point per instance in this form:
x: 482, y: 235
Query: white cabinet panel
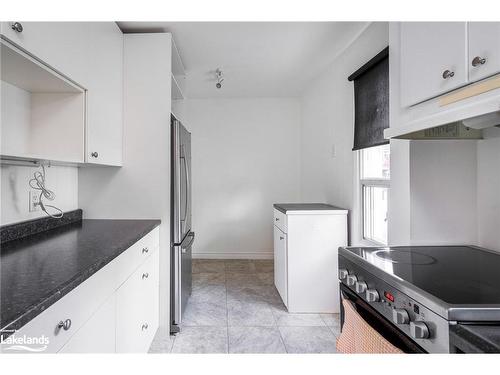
x: 137, y: 308
x: 484, y: 49
x: 280, y: 220
x: 313, y: 242
x: 428, y: 50
x: 98, y: 333
x: 91, y: 54
x: 281, y: 264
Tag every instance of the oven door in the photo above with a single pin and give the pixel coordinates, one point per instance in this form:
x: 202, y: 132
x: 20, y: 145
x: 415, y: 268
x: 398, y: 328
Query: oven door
x: 378, y: 322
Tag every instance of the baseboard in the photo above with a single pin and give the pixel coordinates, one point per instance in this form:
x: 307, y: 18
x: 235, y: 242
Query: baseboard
x: 260, y: 255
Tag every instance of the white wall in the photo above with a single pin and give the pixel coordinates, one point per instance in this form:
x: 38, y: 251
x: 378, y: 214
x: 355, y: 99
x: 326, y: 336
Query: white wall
x: 16, y: 121
x: 63, y: 181
x: 245, y: 156
x: 488, y: 190
x: 141, y: 188
x: 443, y: 192
x: 328, y: 124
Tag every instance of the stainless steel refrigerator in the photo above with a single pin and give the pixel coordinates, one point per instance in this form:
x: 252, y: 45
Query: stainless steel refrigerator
x: 182, y: 236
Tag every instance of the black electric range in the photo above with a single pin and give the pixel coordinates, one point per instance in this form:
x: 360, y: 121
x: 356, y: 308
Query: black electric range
x: 422, y: 290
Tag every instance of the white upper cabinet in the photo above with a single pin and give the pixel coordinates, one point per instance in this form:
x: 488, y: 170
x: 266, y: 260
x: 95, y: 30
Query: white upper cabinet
x: 433, y: 59
x: 484, y: 49
x: 90, y: 54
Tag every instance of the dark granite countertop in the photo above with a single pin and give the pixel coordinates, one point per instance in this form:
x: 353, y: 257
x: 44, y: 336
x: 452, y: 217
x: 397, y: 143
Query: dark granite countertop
x: 475, y: 338
x: 40, y: 269
x: 287, y: 207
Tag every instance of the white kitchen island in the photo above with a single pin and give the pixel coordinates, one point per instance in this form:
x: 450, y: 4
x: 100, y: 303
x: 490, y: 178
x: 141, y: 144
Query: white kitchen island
x: 306, y: 241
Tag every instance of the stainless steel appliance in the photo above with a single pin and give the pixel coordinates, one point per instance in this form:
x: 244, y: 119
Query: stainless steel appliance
x: 413, y: 295
x: 182, y: 236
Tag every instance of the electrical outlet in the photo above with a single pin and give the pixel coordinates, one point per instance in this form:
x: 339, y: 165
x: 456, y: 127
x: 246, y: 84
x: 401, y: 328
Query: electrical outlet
x: 34, y: 200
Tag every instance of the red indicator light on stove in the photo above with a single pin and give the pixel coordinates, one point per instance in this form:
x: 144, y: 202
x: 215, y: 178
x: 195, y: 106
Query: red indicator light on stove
x: 389, y: 296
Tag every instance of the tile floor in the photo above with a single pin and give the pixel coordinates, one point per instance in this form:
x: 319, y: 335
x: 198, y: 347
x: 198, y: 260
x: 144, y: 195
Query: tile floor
x: 235, y: 308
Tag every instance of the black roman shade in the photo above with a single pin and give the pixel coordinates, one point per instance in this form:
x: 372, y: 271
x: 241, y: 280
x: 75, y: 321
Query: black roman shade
x: 371, y: 101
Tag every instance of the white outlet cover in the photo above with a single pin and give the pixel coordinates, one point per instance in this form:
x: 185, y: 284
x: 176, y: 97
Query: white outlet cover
x: 34, y: 198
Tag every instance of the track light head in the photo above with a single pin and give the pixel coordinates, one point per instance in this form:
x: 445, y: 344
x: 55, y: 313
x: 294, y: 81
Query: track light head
x: 219, y: 77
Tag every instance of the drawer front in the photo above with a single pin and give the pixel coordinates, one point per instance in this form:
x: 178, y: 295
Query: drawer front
x: 280, y: 220
x: 76, y: 307
x: 137, y: 254
x: 137, y: 308
x: 98, y: 334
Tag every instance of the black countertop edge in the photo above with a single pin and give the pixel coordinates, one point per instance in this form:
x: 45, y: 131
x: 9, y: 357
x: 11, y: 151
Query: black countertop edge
x: 11, y: 232
x: 66, y: 287
x: 286, y: 207
x: 475, y: 338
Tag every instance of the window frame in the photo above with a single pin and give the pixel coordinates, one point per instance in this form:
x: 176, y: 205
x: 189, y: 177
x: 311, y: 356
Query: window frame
x: 369, y: 182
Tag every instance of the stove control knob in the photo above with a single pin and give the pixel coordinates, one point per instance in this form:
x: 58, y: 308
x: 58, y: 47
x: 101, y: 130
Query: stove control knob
x: 400, y: 316
x: 372, y: 295
x: 361, y: 287
x: 419, y: 330
x: 351, y: 280
x: 343, y: 273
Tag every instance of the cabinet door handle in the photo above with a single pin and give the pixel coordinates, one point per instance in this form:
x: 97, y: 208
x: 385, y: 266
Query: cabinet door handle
x: 478, y: 60
x: 17, y: 26
x: 66, y: 324
x: 94, y: 154
x: 145, y: 250
x: 144, y: 326
x: 145, y: 275
x: 282, y: 238
x: 277, y: 219
x: 448, y: 74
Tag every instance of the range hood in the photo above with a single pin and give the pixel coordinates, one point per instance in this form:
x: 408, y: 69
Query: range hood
x: 461, y: 114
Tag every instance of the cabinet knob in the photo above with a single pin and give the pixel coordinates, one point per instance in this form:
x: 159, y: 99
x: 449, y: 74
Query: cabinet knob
x: 17, y: 26
x: 94, y: 154
x: 448, y: 74
x: 282, y: 238
x: 66, y: 324
x: 144, y: 326
x: 277, y: 219
x: 145, y: 275
x: 478, y: 60
x: 145, y: 250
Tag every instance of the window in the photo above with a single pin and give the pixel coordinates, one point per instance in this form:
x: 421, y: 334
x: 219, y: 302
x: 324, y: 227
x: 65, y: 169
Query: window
x: 374, y: 187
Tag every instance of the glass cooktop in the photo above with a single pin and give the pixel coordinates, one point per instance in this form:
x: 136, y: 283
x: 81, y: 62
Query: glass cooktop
x: 454, y: 274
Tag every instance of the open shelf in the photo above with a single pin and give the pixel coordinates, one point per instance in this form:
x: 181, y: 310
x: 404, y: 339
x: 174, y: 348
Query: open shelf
x: 43, y: 112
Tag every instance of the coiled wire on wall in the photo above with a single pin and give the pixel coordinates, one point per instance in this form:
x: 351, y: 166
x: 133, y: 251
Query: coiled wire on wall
x: 38, y: 183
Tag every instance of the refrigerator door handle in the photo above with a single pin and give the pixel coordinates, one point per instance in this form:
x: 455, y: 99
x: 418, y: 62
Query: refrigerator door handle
x: 188, y: 182
x: 189, y: 244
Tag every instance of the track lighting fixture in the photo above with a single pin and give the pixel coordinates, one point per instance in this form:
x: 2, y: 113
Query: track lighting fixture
x: 219, y: 76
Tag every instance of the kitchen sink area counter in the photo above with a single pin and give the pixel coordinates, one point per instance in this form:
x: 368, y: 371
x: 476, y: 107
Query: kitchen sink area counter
x: 40, y: 269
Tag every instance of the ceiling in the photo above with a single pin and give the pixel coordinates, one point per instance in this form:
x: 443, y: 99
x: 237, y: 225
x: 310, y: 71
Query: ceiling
x: 258, y: 59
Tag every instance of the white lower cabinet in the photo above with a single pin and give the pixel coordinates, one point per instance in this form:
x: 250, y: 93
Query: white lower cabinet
x: 115, y: 310
x: 137, y: 316
x: 98, y: 334
x: 280, y: 264
x: 306, y: 259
